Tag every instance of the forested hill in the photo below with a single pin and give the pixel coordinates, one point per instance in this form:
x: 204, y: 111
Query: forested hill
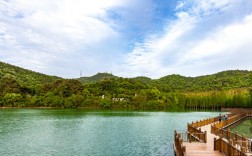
x: 24, y: 88
x: 225, y: 80
x: 24, y: 76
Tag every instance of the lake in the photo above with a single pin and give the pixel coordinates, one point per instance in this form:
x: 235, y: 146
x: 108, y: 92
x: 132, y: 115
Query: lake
x: 76, y: 132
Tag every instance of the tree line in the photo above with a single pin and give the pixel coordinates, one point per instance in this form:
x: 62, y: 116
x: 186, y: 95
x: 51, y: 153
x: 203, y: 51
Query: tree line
x: 24, y: 88
x: 118, y: 93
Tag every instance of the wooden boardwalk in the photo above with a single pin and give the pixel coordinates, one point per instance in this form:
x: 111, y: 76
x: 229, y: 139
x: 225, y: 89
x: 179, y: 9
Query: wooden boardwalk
x: 207, y: 149
x: 209, y: 137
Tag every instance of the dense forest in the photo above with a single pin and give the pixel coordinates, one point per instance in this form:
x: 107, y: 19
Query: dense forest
x: 24, y: 88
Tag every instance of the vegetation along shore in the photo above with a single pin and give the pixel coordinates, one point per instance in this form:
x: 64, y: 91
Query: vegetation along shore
x: 24, y: 88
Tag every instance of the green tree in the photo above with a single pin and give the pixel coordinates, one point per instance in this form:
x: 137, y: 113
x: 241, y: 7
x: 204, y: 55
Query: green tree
x: 9, y: 85
x: 12, y: 100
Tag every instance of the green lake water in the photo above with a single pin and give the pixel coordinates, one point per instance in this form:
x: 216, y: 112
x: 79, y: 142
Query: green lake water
x: 244, y: 128
x: 70, y: 132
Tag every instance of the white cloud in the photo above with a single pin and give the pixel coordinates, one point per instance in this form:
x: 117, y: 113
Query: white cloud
x: 64, y: 36
x: 223, y: 41
x: 178, y: 51
x: 145, y: 56
x: 226, y: 48
x: 41, y: 35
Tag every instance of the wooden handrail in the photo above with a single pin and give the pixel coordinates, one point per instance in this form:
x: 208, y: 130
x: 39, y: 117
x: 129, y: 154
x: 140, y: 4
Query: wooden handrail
x: 228, y: 148
x: 241, y: 143
x: 195, y: 134
x: 178, y: 144
x: 204, y: 122
x: 230, y: 120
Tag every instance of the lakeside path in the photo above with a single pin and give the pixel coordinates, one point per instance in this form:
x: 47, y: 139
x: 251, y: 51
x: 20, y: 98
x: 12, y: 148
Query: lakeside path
x: 206, y: 149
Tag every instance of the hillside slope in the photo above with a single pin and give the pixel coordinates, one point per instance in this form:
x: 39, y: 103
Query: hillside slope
x: 231, y: 79
x: 24, y: 88
x: 24, y: 76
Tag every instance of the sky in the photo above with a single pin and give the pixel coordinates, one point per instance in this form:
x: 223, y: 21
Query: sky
x: 128, y: 38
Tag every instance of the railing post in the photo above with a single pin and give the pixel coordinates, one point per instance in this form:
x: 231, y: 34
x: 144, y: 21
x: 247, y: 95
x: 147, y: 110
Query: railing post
x: 180, y: 141
x: 250, y: 145
x: 235, y: 135
x: 229, y: 146
x: 230, y: 141
x: 190, y: 137
x: 243, y: 140
x: 214, y: 129
x: 205, y: 136
x: 219, y: 131
x: 220, y: 143
x: 228, y: 134
x: 183, y: 149
x: 175, y: 134
x: 215, y: 148
x: 234, y: 141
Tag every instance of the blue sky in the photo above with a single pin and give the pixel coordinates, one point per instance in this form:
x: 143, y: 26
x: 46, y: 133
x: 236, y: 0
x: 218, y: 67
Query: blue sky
x: 128, y: 38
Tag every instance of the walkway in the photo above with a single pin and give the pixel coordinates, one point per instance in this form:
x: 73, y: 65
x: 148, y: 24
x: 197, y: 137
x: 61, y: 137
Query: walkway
x: 206, y: 149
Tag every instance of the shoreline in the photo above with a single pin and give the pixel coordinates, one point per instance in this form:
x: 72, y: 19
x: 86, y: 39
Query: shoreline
x: 113, y: 109
x: 230, y: 110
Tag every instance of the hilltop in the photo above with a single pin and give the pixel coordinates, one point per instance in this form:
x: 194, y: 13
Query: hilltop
x: 96, y: 78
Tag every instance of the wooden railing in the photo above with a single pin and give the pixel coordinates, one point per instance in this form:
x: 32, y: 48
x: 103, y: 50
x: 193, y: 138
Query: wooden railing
x: 237, y: 140
x: 204, y: 122
x: 229, y: 140
x: 195, y: 134
x: 231, y: 120
x: 194, y: 131
x: 218, y: 128
x: 228, y: 148
x: 229, y: 143
x: 179, y: 149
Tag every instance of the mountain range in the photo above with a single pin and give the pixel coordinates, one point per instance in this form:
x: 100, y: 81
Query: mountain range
x: 230, y: 79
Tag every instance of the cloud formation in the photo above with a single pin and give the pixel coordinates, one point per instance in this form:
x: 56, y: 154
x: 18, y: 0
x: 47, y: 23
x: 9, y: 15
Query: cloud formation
x: 206, y: 37
x: 49, y: 36
x: 127, y: 37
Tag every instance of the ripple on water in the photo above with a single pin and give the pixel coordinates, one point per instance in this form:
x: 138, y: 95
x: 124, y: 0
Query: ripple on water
x: 79, y: 132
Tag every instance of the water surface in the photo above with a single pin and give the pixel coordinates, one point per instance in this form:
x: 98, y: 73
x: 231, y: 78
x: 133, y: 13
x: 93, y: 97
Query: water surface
x: 99, y: 133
